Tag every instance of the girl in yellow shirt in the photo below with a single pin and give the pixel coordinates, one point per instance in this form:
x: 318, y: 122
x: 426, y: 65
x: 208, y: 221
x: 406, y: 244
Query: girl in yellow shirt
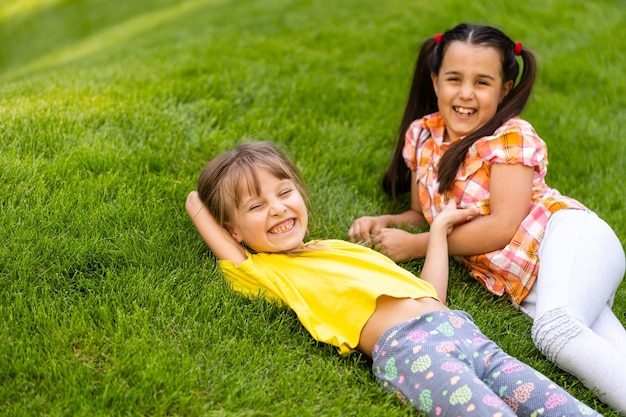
x: 251, y: 210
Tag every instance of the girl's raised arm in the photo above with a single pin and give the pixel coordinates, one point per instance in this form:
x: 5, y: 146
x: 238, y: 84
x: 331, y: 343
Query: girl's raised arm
x: 435, y: 269
x: 217, y: 238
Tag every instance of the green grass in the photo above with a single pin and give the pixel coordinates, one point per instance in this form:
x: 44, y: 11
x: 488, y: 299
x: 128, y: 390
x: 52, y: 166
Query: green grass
x: 110, y: 304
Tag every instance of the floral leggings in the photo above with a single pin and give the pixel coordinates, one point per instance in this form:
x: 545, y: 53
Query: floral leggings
x: 443, y: 365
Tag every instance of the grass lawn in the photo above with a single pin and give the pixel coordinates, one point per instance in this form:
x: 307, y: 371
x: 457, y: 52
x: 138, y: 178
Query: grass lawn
x: 110, y: 304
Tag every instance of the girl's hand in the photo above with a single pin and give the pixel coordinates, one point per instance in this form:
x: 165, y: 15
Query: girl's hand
x: 451, y: 215
x: 397, y: 244
x: 365, y: 227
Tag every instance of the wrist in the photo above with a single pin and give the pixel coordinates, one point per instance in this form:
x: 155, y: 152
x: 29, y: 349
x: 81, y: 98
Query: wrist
x: 437, y: 227
x: 387, y: 220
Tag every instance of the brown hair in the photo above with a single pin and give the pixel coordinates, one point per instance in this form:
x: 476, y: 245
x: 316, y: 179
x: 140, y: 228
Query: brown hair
x: 422, y: 100
x: 219, y: 181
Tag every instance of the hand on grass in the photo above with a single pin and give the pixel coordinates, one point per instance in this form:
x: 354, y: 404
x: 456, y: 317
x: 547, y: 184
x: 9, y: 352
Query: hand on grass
x: 397, y: 244
x: 364, y: 228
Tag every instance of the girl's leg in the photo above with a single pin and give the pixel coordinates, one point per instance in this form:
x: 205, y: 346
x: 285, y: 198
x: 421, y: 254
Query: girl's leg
x: 582, y: 264
x: 525, y: 390
x: 609, y: 327
x: 413, y: 360
x: 443, y: 365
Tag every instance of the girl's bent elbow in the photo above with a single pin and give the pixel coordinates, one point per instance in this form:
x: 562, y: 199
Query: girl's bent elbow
x: 193, y: 203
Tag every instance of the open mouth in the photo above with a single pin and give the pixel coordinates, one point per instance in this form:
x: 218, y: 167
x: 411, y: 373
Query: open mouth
x: 283, y: 227
x: 464, y: 111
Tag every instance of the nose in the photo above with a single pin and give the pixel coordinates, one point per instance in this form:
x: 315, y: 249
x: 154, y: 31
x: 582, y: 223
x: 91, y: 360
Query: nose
x: 277, y: 208
x: 466, y: 91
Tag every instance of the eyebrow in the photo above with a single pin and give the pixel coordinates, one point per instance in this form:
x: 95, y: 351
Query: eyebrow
x: 479, y: 75
x: 253, y: 196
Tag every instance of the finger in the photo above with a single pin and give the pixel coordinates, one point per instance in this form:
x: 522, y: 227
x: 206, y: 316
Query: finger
x: 471, y: 212
x: 365, y: 236
x: 466, y: 215
x: 355, y: 232
x: 352, y: 232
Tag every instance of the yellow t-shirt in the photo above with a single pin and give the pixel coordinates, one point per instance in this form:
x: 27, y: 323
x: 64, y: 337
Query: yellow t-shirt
x: 333, y: 290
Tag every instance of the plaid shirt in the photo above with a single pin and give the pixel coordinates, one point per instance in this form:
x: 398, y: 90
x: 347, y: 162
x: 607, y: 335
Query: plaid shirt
x: 514, y: 268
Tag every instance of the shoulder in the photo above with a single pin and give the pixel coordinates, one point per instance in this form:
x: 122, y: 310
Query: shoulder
x: 516, y: 141
x: 428, y: 125
x: 418, y: 133
x: 257, y: 267
x: 517, y: 125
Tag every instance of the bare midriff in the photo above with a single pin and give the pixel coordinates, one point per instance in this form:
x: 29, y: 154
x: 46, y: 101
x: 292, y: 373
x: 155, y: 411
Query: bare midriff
x: 391, y: 311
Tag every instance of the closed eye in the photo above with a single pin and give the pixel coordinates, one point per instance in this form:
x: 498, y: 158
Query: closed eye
x: 255, y: 206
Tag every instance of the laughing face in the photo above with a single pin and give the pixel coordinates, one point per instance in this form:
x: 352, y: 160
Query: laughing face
x: 275, y: 219
x: 469, y: 87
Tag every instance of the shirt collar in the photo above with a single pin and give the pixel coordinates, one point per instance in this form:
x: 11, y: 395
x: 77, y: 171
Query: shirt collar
x: 436, y: 125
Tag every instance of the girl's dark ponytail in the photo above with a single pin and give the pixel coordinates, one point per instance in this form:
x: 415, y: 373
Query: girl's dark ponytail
x: 422, y: 101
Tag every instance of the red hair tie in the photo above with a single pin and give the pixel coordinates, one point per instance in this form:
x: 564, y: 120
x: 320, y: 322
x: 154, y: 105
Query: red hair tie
x: 518, y: 48
x: 438, y: 38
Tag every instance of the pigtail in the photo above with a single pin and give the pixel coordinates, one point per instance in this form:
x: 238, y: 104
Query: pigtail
x: 422, y: 100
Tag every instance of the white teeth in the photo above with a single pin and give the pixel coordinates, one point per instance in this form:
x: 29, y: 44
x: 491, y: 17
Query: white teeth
x: 283, y: 227
x: 464, y: 111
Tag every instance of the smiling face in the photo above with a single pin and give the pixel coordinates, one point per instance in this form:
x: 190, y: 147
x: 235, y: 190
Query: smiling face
x: 469, y: 87
x: 275, y: 219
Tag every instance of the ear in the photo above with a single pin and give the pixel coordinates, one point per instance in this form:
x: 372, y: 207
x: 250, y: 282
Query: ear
x: 233, y: 232
x: 435, y: 78
x: 506, y: 88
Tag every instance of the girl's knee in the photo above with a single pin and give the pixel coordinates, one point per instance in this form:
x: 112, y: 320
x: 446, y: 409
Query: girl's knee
x: 553, y: 330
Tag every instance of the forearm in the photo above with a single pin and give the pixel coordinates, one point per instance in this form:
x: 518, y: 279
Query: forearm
x: 418, y: 245
x: 408, y: 218
x: 509, y: 203
x: 215, y: 236
x: 435, y: 269
x: 484, y: 234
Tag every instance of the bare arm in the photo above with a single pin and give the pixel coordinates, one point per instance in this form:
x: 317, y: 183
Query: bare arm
x: 435, y: 269
x: 365, y: 228
x: 510, y: 197
x: 218, y: 239
x: 399, y: 244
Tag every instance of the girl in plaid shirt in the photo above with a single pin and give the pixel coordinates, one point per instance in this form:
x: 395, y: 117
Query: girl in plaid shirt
x: 461, y: 137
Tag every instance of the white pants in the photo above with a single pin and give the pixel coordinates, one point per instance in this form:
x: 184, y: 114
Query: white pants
x: 581, y: 265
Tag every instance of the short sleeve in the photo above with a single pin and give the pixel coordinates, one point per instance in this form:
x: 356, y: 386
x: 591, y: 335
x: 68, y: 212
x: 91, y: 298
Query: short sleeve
x: 248, y: 280
x: 516, y: 142
x: 411, y: 139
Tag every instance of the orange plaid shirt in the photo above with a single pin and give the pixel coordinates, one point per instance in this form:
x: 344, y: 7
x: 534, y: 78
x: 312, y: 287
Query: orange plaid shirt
x: 514, y: 268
